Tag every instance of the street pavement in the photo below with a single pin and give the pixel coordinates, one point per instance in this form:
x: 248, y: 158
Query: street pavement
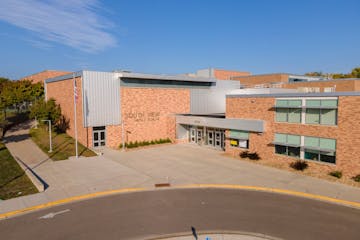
x: 178, y: 164
x: 155, y: 214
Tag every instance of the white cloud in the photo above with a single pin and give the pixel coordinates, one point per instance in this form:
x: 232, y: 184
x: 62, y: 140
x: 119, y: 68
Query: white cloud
x: 70, y: 22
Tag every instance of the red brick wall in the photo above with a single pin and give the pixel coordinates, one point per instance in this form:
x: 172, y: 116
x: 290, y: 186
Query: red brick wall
x: 341, y: 85
x: 42, y: 76
x: 250, y: 81
x: 148, y: 114
x: 63, y: 93
x: 346, y: 133
x: 227, y: 75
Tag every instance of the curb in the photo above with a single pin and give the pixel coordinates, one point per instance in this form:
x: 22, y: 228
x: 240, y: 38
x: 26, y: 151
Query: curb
x: 68, y: 200
x: 211, y: 232
x: 35, y: 179
x: 277, y: 190
x: 190, y: 186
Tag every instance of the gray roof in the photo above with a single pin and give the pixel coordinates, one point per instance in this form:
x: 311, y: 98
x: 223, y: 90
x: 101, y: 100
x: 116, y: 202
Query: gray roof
x: 183, y: 78
x: 64, y: 77
x: 321, y: 94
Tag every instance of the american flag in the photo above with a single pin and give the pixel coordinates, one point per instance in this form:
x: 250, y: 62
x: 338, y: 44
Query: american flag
x: 75, y: 91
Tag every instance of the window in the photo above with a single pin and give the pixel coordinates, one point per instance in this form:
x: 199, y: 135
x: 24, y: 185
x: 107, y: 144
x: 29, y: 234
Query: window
x: 239, y: 139
x: 320, y: 149
x: 321, y: 111
x: 316, y: 111
x: 286, y: 144
x: 288, y: 111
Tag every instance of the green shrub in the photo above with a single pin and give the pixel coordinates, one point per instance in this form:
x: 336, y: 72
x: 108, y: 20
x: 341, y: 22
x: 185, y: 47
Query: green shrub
x: 251, y: 156
x: 254, y: 156
x: 299, y: 165
x: 244, y: 154
x: 145, y: 143
x: 130, y: 145
x: 337, y: 174
x: 356, y: 178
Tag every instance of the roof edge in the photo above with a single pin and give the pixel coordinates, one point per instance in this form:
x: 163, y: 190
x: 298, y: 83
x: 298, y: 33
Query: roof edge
x: 321, y: 94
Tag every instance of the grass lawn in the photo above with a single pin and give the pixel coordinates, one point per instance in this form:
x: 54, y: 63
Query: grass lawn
x: 13, y: 180
x: 63, y: 145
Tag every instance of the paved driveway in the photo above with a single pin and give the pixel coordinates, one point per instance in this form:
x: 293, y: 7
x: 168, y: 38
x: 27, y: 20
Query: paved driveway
x: 178, y: 164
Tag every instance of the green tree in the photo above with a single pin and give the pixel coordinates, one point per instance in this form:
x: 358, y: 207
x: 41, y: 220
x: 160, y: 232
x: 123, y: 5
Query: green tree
x: 355, y: 73
x: 46, y: 110
x: 314, y: 74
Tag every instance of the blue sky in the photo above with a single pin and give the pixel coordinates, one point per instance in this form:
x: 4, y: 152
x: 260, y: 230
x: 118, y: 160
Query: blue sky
x: 178, y: 36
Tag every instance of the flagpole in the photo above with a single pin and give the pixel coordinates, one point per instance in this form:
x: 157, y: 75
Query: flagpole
x: 75, y: 121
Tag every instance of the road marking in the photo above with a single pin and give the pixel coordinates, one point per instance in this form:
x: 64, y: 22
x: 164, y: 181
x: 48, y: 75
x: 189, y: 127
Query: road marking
x: 53, y: 214
x: 222, y: 186
x: 68, y: 200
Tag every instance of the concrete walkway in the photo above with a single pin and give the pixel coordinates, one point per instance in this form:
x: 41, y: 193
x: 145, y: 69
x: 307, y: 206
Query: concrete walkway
x: 190, y: 164
x: 177, y: 164
x: 21, y: 147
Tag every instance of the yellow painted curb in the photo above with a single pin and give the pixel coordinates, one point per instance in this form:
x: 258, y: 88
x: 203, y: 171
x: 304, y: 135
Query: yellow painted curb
x: 220, y: 186
x: 275, y: 190
x: 68, y: 200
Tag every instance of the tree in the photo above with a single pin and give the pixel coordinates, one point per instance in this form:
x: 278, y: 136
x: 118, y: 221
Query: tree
x: 46, y: 110
x: 356, y: 72
x: 314, y: 74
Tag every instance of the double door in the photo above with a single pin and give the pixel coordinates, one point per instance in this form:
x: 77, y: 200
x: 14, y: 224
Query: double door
x: 211, y: 137
x: 216, y: 138
x: 99, y: 136
x: 196, y: 135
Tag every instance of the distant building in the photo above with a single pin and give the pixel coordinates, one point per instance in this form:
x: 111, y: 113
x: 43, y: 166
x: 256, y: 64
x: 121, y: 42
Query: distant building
x: 303, y: 83
x: 42, y: 76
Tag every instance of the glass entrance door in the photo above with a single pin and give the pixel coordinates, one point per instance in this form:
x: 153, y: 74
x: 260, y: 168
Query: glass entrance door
x: 210, y: 137
x: 218, y: 139
x: 193, y: 135
x: 199, y: 135
x: 99, y: 136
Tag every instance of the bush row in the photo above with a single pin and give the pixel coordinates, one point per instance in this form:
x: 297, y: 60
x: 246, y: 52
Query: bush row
x: 302, y: 165
x: 299, y: 165
x: 145, y: 143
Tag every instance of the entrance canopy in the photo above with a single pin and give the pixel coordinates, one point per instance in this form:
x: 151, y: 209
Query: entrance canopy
x: 222, y: 123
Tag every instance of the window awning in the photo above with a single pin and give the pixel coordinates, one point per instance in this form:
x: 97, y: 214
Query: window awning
x: 222, y: 123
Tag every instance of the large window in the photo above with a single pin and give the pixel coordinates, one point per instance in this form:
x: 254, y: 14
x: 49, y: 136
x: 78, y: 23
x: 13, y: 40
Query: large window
x: 309, y: 111
x: 309, y: 148
x: 320, y: 149
x: 286, y: 144
x: 288, y: 111
x: 239, y: 139
x: 321, y: 111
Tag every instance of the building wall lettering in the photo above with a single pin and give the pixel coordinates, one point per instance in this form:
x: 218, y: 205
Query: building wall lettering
x: 143, y: 116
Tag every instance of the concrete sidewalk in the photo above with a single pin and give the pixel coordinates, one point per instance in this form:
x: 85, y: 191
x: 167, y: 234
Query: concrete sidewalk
x: 20, y: 145
x: 179, y: 164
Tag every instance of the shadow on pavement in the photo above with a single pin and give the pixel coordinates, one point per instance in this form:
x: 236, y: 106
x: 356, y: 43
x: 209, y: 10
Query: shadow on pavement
x: 27, y: 168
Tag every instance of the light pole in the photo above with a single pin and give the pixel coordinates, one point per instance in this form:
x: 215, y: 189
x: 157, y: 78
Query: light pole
x: 49, y: 121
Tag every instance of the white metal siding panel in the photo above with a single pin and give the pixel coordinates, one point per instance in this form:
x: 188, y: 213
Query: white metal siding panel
x: 213, y: 99
x: 101, y: 99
